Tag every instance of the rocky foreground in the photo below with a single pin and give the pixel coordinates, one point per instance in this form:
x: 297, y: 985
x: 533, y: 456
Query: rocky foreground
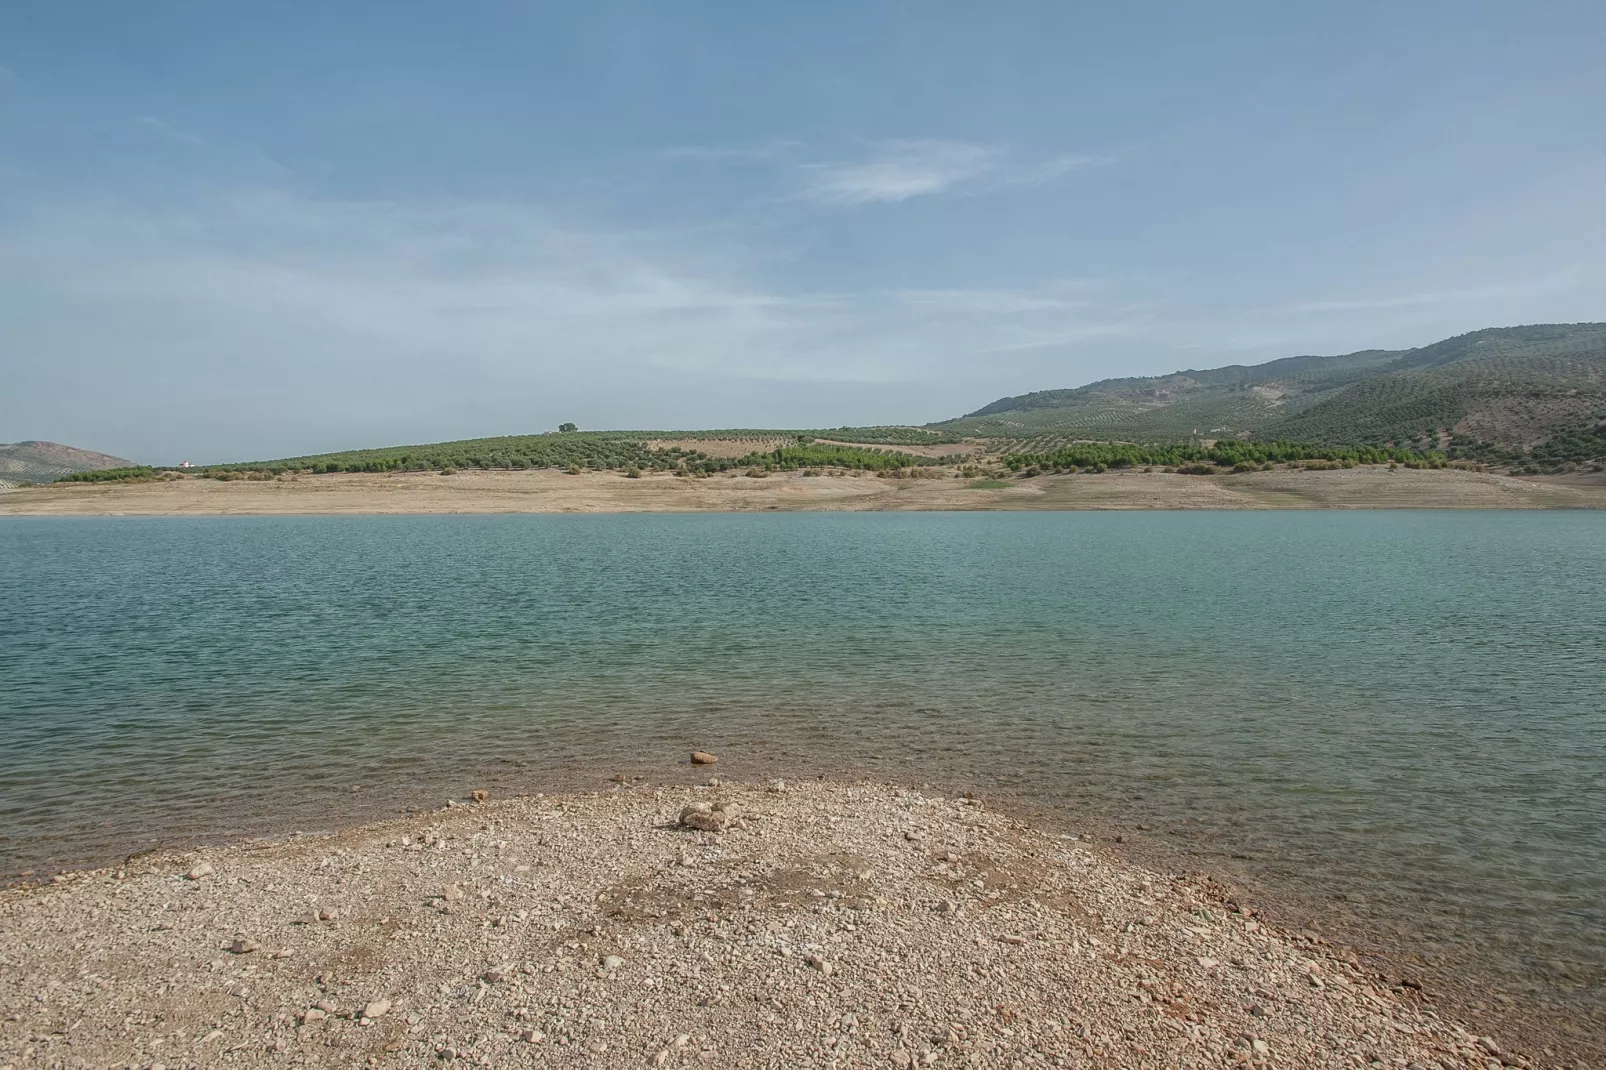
x: 815, y: 925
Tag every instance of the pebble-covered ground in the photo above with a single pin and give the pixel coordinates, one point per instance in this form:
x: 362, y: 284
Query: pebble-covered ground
x: 821, y: 925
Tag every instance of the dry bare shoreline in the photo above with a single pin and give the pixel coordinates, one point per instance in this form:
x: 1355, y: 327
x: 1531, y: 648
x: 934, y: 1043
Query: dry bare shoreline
x: 540, y: 491
x: 831, y: 924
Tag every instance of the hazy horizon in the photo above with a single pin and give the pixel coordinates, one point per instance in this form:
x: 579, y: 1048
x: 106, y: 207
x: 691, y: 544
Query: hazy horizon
x: 242, y: 234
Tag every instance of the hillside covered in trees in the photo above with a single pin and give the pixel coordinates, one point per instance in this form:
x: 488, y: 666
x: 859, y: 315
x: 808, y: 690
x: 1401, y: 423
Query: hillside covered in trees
x: 1524, y: 398
x: 43, y: 462
x: 1501, y: 394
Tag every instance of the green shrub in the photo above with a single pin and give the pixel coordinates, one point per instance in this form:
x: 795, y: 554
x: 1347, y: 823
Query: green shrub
x: 109, y: 475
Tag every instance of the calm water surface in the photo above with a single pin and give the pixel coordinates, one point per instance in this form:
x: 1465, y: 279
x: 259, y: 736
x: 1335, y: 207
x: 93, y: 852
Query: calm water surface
x: 1399, y: 713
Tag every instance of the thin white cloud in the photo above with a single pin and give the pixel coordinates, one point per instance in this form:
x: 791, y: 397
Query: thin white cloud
x: 897, y: 171
x: 167, y: 131
x: 380, y: 293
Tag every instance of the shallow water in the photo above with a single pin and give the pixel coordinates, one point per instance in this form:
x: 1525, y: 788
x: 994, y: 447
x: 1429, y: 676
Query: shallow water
x: 1398, y: 712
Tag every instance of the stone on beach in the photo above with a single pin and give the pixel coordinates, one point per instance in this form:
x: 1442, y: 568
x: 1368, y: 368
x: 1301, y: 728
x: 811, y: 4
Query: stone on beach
x: 702, y: 757
x: 204, y: 869
x: 707, y: 817
x: 377, y: 1008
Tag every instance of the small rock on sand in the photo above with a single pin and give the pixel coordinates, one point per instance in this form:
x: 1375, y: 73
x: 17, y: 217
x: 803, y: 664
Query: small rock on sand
x: 702, y: 757
x: 706, y: 817
x: 612, y: 962
x: 377, y: 1008
x: 244, y: 946
x: 452, y: 893
x: 203, y: 870
x: 479, y: 795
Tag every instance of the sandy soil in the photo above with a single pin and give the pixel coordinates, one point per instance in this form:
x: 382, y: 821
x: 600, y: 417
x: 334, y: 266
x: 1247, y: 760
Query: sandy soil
x: 555, y: 492
x: 824, y: 925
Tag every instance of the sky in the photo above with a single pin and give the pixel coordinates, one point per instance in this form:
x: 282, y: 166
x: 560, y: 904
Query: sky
x: 233, y: 231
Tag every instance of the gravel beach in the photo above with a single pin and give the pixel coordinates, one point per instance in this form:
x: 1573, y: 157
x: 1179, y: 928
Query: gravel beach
x: 817, y: 924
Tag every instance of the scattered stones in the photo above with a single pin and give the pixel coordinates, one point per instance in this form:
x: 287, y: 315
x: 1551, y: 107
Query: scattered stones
x: 702, y: 757
x: 705, y: 817
x: 854, y: 925
x: 204, y: 869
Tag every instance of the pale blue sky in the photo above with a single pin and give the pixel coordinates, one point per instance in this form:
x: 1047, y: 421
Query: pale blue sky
x: 232, y: 231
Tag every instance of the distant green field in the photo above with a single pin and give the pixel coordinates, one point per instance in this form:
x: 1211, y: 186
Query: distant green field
x: 639, y: 451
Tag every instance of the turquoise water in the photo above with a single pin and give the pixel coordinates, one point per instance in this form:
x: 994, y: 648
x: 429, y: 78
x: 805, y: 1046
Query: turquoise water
x: 1399, y: 714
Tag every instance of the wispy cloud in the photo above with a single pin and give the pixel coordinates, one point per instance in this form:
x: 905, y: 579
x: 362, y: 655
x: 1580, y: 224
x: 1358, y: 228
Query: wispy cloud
x: 167, y: 131
x: 897, y: 171
x: 355, y: 291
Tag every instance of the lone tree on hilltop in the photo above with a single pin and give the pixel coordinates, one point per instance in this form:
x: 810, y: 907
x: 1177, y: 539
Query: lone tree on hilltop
x: 567, y: 427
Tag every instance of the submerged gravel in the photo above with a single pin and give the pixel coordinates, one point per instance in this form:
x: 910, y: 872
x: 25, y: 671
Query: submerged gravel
x: 824, y: 925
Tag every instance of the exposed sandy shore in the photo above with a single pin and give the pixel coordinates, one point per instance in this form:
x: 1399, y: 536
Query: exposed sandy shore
x: 555, y: 492
x: 830, y: 925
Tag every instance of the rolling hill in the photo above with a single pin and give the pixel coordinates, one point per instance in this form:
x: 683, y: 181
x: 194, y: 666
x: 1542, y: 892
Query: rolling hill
x: 1506, y: 389
x: 44, y: 462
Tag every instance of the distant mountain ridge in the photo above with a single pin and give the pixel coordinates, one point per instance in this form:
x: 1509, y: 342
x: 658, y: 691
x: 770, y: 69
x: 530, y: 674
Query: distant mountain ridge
x: 44, y: 462
x: 1513, y: 387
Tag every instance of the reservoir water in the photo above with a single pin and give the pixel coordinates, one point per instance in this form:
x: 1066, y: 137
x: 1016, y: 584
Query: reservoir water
x: 1393, y: 718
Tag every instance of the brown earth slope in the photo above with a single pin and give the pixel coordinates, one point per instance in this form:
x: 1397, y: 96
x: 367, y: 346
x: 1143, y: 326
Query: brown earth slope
x: 41, y: 462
